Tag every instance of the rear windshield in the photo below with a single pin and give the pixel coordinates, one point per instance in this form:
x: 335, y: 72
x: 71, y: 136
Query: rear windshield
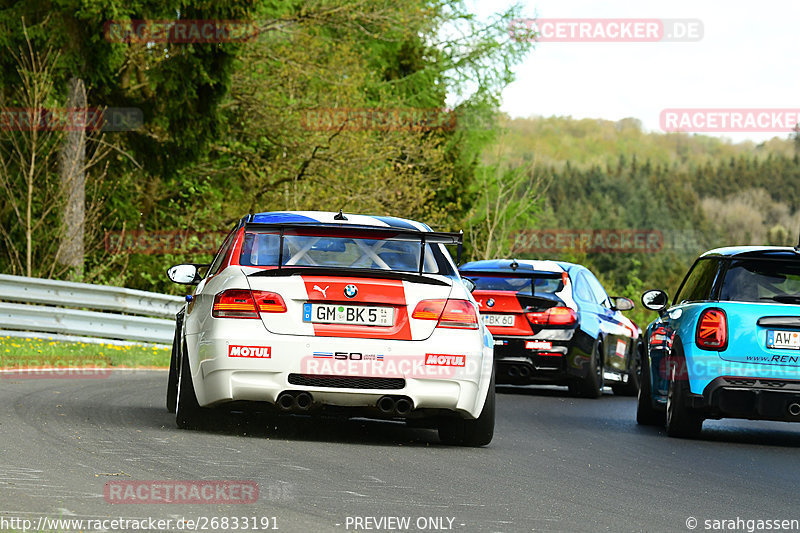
x: 761, y: 280
x: 383, y: 252
x: 540, y: 284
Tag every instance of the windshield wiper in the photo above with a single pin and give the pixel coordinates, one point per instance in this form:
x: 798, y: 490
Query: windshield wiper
x: 784, y: 298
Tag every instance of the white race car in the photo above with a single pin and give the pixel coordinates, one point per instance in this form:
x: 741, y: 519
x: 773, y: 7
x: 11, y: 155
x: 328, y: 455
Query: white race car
x: 309, y: 311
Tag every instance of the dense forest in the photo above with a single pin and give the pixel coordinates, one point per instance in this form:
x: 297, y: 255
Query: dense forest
x: 272, y: 121
x: 369, y: 106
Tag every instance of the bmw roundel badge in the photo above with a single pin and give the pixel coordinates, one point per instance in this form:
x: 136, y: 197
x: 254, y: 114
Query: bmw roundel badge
x: 350, y: 291
x: 490, y: 302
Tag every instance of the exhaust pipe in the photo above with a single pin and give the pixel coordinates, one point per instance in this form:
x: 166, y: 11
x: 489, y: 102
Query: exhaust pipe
x: 395, y: 405
x: 303, y: 401
x: 386, y: 405
x: 286, y: 401
x: 524, y: 371
x: 513, y: 371
x: 403, y: 406
x: 794, y: 409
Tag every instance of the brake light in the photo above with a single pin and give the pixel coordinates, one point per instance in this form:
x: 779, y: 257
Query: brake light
x: 712, y: 330
x: 242, y: 303
x: 555, y: 316
x: 234, y: 303
x: 269, y: 302
x: 458, y: 314
x: 428, y: 310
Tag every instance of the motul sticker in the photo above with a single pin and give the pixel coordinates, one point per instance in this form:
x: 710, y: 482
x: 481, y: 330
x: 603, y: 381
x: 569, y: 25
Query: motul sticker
x: 261, y: 352
x: 538, y: 345
x: 440, y: 359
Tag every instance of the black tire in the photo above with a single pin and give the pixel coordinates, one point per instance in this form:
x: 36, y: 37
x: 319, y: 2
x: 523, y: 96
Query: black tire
x: 646, y: 414
x: 172, y: 380
x: 591, y: 386
x: 188, y: 412
x: 478, y: 432
x: 681, y: 421
x: 631, y: 388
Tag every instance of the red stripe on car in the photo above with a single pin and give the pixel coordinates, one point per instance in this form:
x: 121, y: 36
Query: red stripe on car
x: 370, y: 292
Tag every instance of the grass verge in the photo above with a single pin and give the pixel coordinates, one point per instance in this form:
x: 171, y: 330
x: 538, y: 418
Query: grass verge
x: 22, y: 352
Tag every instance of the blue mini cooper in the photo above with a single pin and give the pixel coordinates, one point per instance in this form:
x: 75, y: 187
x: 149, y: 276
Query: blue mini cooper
x: 728, y: 346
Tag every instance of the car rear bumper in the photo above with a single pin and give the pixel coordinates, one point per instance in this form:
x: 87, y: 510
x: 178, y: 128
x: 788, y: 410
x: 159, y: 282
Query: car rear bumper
x: 559, y: 364
x: 346, y: 372
x: 750, y: 398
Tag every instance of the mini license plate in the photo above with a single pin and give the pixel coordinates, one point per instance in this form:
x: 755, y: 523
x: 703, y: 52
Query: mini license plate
x: 783, y: 339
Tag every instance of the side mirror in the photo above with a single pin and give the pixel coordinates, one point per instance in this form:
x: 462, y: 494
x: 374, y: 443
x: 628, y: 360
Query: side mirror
x: 184, y: 274
x: 470, y: 284
x: 655, y: 300
x: 621, y: 303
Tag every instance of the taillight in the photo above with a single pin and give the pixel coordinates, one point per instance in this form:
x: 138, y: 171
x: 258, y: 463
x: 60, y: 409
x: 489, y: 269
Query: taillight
x: 242, y: 303
x: 269, y: 302
x: 555, y: 316
x: 712, y: 330
x: 450, y: 313
x: 458, y: 314
x: 234, y: 303
x: 428, y: 310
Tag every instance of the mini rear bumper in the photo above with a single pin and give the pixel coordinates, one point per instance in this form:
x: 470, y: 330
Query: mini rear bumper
x: 750, y: 398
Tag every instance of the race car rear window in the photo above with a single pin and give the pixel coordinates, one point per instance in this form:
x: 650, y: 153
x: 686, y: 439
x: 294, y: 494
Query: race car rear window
x: 699, y: 281
x: 357, y: 251
x: 761, y: 280
x: 547, y: 284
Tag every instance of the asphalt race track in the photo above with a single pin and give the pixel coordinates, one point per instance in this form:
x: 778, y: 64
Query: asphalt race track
x: 556, y: 464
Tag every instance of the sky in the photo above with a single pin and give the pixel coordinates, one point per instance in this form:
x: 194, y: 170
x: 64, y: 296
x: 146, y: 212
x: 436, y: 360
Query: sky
x: 747, y: 58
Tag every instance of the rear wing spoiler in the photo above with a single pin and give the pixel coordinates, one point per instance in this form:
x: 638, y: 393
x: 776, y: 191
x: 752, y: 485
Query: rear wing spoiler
x: 513, y: 274
x: 424, y: 237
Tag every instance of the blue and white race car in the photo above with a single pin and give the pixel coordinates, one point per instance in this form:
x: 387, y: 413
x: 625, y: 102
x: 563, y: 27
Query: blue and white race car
x: 312, y: 311
x: 728, y: 346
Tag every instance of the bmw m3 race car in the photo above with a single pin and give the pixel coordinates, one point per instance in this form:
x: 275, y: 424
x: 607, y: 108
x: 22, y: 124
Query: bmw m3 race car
x: 728, y: 346
x: 319, y: 311
x: 553, y: 323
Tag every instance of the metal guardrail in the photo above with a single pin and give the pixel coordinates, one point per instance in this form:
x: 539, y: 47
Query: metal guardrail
x: 61, y: 320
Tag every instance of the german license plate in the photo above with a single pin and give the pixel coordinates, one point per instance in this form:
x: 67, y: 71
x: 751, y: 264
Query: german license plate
x: 499, y: 320
x: 787, y: 340
x: 361, y: 315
